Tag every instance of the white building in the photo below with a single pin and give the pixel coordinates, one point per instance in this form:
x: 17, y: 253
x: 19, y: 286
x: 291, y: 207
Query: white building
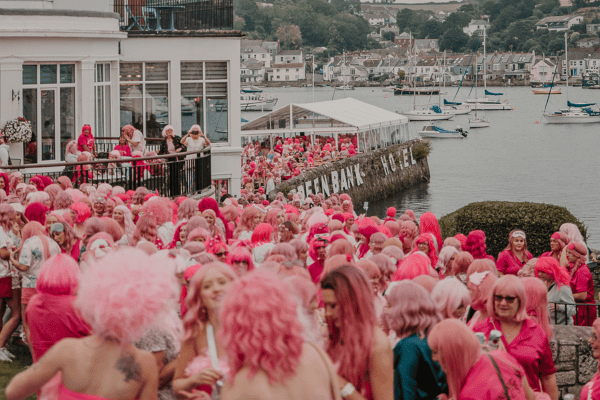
x: 476, y: 26
x: 256, y: 53
x: 543, y: 71
x: 66, y: 63
x: 290, y: 72
x: 559, y: 23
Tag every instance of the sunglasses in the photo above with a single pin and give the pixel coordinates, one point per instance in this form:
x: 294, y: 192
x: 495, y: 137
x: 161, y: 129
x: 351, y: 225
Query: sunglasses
x: 223, y: 254
x: 509, y: 299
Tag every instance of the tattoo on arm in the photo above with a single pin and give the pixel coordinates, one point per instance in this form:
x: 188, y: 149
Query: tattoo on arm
x: 129, y: 367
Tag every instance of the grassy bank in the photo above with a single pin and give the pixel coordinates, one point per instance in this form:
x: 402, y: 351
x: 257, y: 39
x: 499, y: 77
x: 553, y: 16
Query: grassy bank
x: 8, y: 370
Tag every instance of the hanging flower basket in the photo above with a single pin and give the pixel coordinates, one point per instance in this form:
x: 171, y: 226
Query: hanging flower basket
x: 18, y: 130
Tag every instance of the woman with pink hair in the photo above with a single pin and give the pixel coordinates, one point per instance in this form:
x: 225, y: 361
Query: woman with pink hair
x: 240, y: 261
x: 10, y: 287
x: 413, y: 265
x: 428, y: 223
x: 160, y: 208
x: 318, y: 252
x: 210, y: 203
x: 408, y: 234
x: 301, y: 250
x: 262, y: 337
x: 145, y: 231
x: 64, y: 235
x: 557, y: 278
x: 558, y: 241
x: 186, y: 210
x: 445, y: 262
x: 592, y: 389
x: 64, y: 182
x: 472, y: 374
x: 412, y: 314
x: 582, y: 284
x: 118, y: 315
x: 358, y: 347
x: 214, y: 230
x: 425, y: 244
x: 86, y: 140
x: 122, y: 215
x: 522, y: 337
x: 512, y: 259
x: 481, y: 277
x: 82, y: 173
x: 62, y: 202
x: 200, y: 364
x: 451, y: 297
x: 475, y: 245
x: 4, y: 183
x: 249, y: 220
x: 261, y: 240
x: 80, y: 212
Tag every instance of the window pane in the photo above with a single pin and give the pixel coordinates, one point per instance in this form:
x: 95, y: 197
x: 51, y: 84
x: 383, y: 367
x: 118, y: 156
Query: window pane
x: 157, y: 109
x: 131, y: 72
x: 157, y: 71
x: 67, y: 118
x: 216, y: 112
x: 48, y: 125
x: 106, y: 72
x: 191, y: 106
x: 66, y: 73
x: 191, y: 71
x: 29, y: 74
x: 107, y: 110
x: 30, y: 114
x: 99, y: 111
x: 99, y: 74
x: 131, y: 105
x: 216, y: 70
x: 48, y: 74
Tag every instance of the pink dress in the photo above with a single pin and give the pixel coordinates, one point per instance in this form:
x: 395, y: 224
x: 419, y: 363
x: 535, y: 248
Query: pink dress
x: 530, y: 348
x: 482, y: 381
x: 509, y: 264
x: 50, y: 319
x: 582, y: 282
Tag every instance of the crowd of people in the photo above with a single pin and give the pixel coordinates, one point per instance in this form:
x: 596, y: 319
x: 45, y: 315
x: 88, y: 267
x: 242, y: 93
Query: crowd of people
x: 265, y: 167
x: 150, y: 297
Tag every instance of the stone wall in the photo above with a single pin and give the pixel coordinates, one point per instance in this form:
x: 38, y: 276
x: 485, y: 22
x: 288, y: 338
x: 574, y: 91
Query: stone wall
x: 382, y: 172
x: 573, y: 359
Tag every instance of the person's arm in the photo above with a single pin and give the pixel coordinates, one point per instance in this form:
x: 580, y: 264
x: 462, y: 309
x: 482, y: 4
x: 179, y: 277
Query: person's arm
x: 549, y: 386
x: 206, y: 141
x: 32, y: 379
x: 17, y: 264
x: 150, y: 373
x: 529, y: 394
x: 382, y: 367
x: 580, y: 297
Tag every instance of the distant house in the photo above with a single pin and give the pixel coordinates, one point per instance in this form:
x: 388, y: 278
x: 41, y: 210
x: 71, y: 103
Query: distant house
x: 543, y: 71
x: 476, y: 26
x: 577, y: 63
x: 289, y: 56
x: 588, y: 42
x: 519, y: 66
x: 393, y: 29
x: 559, y: 23
x: 375, y: 36
x: 252, y: 71
x: 593, y: 63
x: 426, y: 46
x: 592, y: 28
x: 287, y: 72
x: 255, y: 52
x: 404, y: 40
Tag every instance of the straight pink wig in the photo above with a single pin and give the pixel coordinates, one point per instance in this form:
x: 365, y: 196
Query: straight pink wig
x: 511, y: 286
x: 262, y: 233
x: 537, y: 303
x: 187, y: 209
x: 448, y: 295
x: 481, y: 292
x: 428, y: 223
x: 59, y: 276
x: 62, y: 201
x: 82, y: 212
x: 351, y: 343
x: 7, y: 213
x: 411, y: 310
x: 241, y: 254
x: 445, y: 256
x: 286, y: 250
x: 260, y: 329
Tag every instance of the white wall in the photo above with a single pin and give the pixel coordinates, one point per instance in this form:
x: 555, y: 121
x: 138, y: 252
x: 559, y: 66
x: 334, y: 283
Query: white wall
x: 80, y: 5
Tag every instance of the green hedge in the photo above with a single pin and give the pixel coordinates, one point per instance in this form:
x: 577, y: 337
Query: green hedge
x: 498, y: 218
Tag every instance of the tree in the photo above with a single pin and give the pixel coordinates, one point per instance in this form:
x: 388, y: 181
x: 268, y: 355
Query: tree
x: 404, y: 18
x: 289, y: 35
x: 454, y: 39
x: 388, y: 36
x: 432, y: 29
x: 247, y: 9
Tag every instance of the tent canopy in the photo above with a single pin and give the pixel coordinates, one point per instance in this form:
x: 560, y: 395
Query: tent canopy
x: 346, y: 112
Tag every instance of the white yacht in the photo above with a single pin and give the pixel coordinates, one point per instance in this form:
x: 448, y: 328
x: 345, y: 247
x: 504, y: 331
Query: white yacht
x: 257, y: 102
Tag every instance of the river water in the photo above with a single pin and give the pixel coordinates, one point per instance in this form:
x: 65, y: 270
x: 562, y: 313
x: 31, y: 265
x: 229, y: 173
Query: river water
x: 515, y: 159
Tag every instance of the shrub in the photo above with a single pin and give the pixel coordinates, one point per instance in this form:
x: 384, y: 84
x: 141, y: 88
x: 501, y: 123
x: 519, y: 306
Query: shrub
x: 498, y: 218
x: 421, y: 149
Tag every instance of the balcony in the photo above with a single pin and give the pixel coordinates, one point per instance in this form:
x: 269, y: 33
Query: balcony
x: 154, y: 16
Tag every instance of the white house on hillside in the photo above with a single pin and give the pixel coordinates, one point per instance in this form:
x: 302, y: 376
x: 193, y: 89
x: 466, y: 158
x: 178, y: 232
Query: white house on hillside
x: 559, y: 23
x: 476, y: 26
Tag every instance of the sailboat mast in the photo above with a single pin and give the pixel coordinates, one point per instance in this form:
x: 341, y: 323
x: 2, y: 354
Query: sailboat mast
x: 484, y: 69
x: 567, y: 63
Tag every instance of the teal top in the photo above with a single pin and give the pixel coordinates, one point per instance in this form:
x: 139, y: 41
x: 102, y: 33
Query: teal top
x: 416, y: 375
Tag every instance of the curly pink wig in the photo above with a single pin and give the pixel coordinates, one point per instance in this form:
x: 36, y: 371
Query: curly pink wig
x: 351, y: 343
x: 210, y: 203
x: 537, y: 303
x: 428, y: 223
x: 6, y: 183
x: 262, y: 233
x: 160, y: 209
x: 260, y: 328
x: 448, y: 295
x: 198, y: 233
x: 71, y: 147
x: 512, y: 286
x: 124, y: 294
x: 82, y: 211
x: 241, y: 254
x: 36, y: 212
x: 145, y: 224
x: 7, y: 213
x: 343, y: 247
x: 411, y: 310
x: 59, y: 276
x: 65, y: 182
x: 187, y: 209
x: 476, y: 244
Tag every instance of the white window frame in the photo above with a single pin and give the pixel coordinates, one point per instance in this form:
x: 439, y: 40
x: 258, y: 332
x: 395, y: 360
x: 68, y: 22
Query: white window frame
x: 101, y: 86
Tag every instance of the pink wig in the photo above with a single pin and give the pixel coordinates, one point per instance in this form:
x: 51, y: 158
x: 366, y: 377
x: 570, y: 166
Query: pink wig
x: 197, y: 222
x: 393, y: 227
x: 187, y: 209
x: 113, y: 228
x: 393, y: 252
x: 240, y: 254
x: 6, y: 183
x: 303, y: 289
x: 512, y: 286
x: 511, y: 239
x: 198, y: 233
x: 480, y: 285
x: 445, y: 256
x: 71, y: 147
x: 128, y: 221
x: 38, y: 197
x: 34, y: 228
x: 411, y: 310
x: 36, y: 212
x: 458, y: 350
x: 351, y: 343
x: 342, y: 247
x: 59, y: 276
x: 448, y: 295
x: 427, y: 281
x: 160, y: 209
x: 231, y: 213
x: 462, y: 261
x: 195, y: 309
x: 284, y: 249
x: 247, y: 220
x: 432, y: 253
x: 550, y: 266
x: 145, y: 224
x: 299, y: 246
x: 412, y: 266
x: 37, y: 181
x: 452, y: 242
x: 409, y: 230
x: 7, y: 213
x: 260, y: 329
x: 124, y: 294
x: 139, y: 195
x: 272, y: 218
x: 82, y: 211
x: 572, y: 232
x: 210, y: 203
x: 104, y: 190
x: 65, y: 182
x: 166, y: 128
x: 62, y: 201
x: 385, y: 264
x: 428, y: 223
x: 476, y: 244
x: 537, y: 303
x: 262, y: 233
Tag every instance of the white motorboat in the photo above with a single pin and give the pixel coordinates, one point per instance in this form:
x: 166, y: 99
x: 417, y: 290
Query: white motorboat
x: 573, y: 115
x: 251, y: 89
x: 434, y: 113
x: 257, y: 102
x: 345, y: 87
x: 435, y: 132
x: 478, y: 123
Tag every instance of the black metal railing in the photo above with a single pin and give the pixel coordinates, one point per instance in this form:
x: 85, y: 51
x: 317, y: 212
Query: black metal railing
x: 573, y: 313
x: 107, y: 144
x: 173, y: 15
x: 171, y: 175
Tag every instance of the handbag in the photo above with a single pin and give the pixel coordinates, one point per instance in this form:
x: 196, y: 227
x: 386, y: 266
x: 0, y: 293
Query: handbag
x: 499, y: 376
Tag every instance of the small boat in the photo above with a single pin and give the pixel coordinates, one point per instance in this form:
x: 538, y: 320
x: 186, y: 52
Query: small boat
x: 455, y: 108
x: 286, y: 86
x: 251, y: 89
x: 545, y: 90
x: 257, y: 102
x: 435, y: 132
x: 345, y: 87
x: 434, y: 113
x: 478, y: 123
x: 417, y: 91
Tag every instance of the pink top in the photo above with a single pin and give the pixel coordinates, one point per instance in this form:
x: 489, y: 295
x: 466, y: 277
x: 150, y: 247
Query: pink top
x: 509, y: 264
x: 315, y: 270
x: 50, y: 319
x: 85, y: 140
x: 594, y: 386
x: 530, y: 348
x: 74, y: 253
x: 66, y: 394
x: 124, y: 149
x: 582, y: 282
x: 482, y: 381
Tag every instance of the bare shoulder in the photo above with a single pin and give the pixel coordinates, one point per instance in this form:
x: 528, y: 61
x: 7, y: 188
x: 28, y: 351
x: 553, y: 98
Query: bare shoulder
x: 244, y: 387
x: 381, y: 344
